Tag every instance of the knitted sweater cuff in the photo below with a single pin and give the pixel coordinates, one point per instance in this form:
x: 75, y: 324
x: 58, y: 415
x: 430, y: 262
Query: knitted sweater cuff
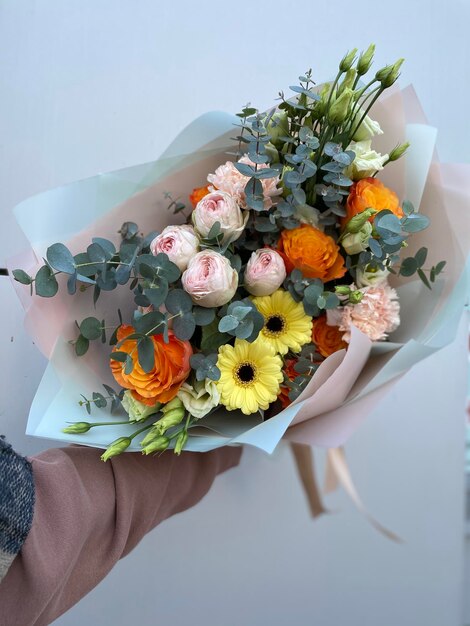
x: 16, y: 503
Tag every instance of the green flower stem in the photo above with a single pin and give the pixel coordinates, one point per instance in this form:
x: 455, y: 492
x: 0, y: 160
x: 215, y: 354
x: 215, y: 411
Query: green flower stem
x: 369, y: 106
x: 333, y: 87
x: 141, y: 430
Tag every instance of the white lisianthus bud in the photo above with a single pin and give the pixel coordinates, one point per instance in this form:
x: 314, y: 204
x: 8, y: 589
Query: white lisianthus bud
x: 136, y: 410
x: 366, y: 161
x: 370, y: 277
x: 117, y: 447
x: 179, y: 243
x: 159, y: 444
x: 200, y: 397
x: 368, y: 128
x: 355, y: 243
x: 210, y: 280
x: 219, y: 206
x: 265, y: 272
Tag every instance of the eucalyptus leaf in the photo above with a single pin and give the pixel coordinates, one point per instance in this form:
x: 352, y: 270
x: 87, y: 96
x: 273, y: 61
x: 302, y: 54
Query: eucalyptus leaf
x: 81, y: 345
x: 45, y: 282
x: 90, y: 328
x: 408, y: 266
x: 146, y: 354
x: 60, y: 258
x: 203, y: 316
x: 184, y: 326
x: 178, y: 301
x: 22, y: 277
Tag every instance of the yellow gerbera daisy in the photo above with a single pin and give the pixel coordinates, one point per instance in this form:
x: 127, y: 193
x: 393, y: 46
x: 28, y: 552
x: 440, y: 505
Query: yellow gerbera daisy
x: 250, y: 375
x: 286, y: 325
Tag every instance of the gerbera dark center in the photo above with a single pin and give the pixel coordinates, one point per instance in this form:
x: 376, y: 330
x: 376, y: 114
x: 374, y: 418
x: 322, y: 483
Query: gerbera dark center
x: 246, y: 373
x: 275, y: 324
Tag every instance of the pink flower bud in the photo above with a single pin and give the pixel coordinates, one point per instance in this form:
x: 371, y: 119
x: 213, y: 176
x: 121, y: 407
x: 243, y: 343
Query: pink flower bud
x: 221, y: 207
x: 179, y: 243
x: 209, y: 279
x: 265, y: 272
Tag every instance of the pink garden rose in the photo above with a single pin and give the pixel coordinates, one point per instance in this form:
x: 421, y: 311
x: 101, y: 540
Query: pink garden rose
x: 265, y: 272
x: 180, y: 243
x: 228, y: 178
x: 209, y: 279
x: 219, y: 206
x: 376, y: 315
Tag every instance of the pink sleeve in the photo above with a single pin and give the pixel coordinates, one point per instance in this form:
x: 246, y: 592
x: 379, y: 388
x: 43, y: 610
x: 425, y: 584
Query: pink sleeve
x: 88, y: 514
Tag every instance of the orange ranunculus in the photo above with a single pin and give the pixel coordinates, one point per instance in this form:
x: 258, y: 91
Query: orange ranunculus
x: 170, y: 370
x: 291, y: 374
x: 370, y: 193
x: 315, y: 254
x: 198, y: 194
x: 327, y: 339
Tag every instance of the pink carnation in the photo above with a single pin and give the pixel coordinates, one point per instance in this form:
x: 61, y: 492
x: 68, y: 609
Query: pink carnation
x: 227, y: 178
x: 376, y: 315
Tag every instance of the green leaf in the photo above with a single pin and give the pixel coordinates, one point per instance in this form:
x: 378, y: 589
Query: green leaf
x: 116, y: 355
x: 214, y: 231
x: 60, y: 258
x: 408, y: 208
x: 84, y: 265
x: 408, y: 266
x: 331, y: 300
x: 129, y: 230
x: 72, y: 284
x: 146, y: 354
x: 228, y: 323
x: 123, y: 274
x: 415, y: 222
x: 22, y: 277
x: 91, y: 328
x: 158, y: 292
x: 178, y: 301
x: 99, y: 400
x: 420, y: 256
x: 184, y: 326
x: 151, y: 323
x: 245, y: 329
x: 107, y: 245
x: 313, y: 292
x: 81, y: 345
x: 97, y: 254
x: 212, y: 338
x: 240, y: 311
x: 424, y: 278
x: 388, y: 223
x: 439, y: 267
x: 129, y: 365
x: 203, y: 316
x: 46, y: 283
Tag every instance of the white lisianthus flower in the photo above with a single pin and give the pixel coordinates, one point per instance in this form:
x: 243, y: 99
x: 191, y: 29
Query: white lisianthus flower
x: 308, y: 215
x: 200, y: 397
x: 369, y: 277
x: 366, y: 161
x: 368, y: 128
x: 136, y: 410
x: 355, y: 243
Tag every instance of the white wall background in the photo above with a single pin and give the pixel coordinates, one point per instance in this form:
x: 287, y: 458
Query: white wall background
x: 92, y: 86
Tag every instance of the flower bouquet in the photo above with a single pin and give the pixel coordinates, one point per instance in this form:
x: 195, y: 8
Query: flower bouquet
x: 309, y: 271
